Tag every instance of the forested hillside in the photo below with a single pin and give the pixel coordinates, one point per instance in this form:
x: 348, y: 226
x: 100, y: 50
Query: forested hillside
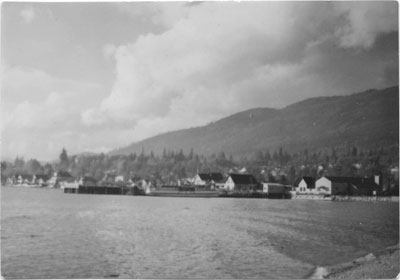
x: 368, y: 120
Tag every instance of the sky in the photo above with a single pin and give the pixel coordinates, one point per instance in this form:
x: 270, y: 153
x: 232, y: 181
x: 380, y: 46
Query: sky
x: 92, y: 77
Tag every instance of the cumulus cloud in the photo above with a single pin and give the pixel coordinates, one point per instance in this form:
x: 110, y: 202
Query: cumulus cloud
x: 163, y: 14
x: 365, y: 21
x: 109, y: 51
x: 28, y: 14
x: 217, y: 58
x: 38, y: 108
x: 201, y: 63
x: 25, y: 83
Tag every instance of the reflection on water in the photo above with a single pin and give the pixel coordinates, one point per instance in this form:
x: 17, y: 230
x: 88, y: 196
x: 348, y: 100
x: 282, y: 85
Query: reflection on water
x: 48, y: 234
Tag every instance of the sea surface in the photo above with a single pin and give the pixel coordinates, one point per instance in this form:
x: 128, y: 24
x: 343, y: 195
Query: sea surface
x: 49, y: 234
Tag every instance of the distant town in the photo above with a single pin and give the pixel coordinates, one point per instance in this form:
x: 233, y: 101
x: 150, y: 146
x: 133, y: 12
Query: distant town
x: 280, y: 175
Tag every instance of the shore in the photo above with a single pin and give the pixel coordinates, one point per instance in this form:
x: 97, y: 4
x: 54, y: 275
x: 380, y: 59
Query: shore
x: 346, y: 198
x: 385, y: 265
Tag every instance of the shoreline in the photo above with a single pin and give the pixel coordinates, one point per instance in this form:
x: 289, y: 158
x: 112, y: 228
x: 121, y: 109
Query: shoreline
x: 347, y: 198
x: 384, y: 265
x: 334, y: 198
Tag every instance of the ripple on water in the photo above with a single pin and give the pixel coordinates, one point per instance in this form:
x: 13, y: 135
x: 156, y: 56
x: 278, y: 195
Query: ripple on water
x: 77, y: 236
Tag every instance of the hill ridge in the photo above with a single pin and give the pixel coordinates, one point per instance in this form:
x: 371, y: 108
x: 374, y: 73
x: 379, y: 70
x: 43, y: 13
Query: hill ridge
x: 365, y: 118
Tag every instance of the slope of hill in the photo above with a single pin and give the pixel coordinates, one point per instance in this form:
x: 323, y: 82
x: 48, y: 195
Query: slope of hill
x: 366, y: 119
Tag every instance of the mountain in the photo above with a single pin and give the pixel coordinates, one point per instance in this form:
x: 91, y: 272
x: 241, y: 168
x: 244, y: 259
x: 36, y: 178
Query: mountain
x: 367, y: 119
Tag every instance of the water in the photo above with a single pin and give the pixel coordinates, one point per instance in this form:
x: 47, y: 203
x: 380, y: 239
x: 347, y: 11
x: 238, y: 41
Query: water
x: 48, y: 234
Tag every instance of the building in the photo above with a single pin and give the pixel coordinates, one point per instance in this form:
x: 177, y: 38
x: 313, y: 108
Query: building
x: 119, y: 178
x: 241, y: 183
x: 87, y: 181
x: 59, y: 178
x: 40, y: 180
x: 212, y: 180
x: 22, y: 179
x: 109, y: 179
x: 69, y: 186
x: 305, y: 185
x: 275, y: 190
x: 330, y: 185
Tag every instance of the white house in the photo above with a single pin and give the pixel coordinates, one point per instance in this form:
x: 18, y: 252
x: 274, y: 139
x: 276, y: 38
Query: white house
x: 241, y: 182
x: 214, y: 180
x: 306, y: 185
x: 201, y: 179
x: 346, y: 186
x: 58, y: 178
x: 332, y: 186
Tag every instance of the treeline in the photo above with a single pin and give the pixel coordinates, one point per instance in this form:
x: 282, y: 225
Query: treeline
x: 273, y: 166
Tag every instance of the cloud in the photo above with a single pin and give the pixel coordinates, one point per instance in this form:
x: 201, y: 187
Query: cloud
x: 363, y: 22
x: 217, y: 58
x: 201, y: 63
x: 38, y: 108
x: 28, y: 14
x: 25, y: 83
x: 163, y: 14
x: 109, y: 51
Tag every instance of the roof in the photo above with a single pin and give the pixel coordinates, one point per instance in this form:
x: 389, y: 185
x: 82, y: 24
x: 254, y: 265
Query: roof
x: 243, y: 179
x: 360, y: 182
x: 42, y: 176
x: 66, y: 179
x: 89, y: 179
x: 214, y: 176
x: 63, y: 174
x: 204, y: 176
x: 217, y: 177
x: 25, y: 176
x: 310, y: 181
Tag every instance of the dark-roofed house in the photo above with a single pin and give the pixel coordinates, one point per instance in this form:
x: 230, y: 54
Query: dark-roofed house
x: 305, y: 185
x: 59, y: 178
x: 331, y: 185
x: 23, y: 179
x: 241, y: 182
x: 41, y: 179
x: 87, y: 181
x: 213, y: 180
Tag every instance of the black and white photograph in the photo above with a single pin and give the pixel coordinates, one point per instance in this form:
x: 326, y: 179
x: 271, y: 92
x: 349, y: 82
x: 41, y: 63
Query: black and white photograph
x: 200, y: 140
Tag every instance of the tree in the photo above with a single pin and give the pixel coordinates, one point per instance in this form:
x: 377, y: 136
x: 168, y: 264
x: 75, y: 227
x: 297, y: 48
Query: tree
x: 267, y: 157
x: 19, y: 165
x: 354, y: 151
x: 190, y: 154
x: 259, y: 157
x: 292, y: 173
x: 275, y: 157
x: 48, y: 169
x: 33, y: 167
x: 64, y: 161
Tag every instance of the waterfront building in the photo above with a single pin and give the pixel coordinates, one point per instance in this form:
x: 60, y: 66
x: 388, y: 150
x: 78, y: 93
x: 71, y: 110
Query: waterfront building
x: 212, y: 180
x: 305, y: 185
x: 23, y: 179
x: 87, y: 181
x: 241, y: 182
x: 275, y: 190
x: 40, y: 180
x: 331, y: 185
x: 59, y: 178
